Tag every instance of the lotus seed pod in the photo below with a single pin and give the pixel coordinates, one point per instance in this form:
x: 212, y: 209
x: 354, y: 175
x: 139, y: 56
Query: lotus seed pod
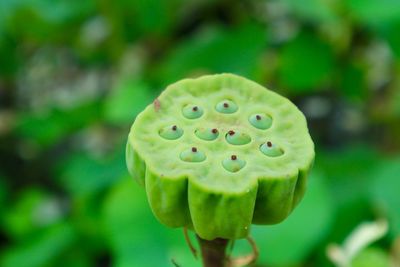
x: 219, y: 153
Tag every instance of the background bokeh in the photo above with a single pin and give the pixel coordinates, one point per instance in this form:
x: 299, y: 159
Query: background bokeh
x: 74, y: 74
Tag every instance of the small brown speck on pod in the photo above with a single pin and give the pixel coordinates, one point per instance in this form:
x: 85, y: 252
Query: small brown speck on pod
x: 157, y: 105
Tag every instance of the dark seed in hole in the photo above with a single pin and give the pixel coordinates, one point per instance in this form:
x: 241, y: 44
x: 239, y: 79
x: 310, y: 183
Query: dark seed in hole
x: 194, y: 149
x: 195, y: 108
x: 269, y: 144
x: 233, y: 157
x: 226, y: 105
x: 174, y: 128
x: 214, y: 131
x: 258, y: 117
x: 231, y: 132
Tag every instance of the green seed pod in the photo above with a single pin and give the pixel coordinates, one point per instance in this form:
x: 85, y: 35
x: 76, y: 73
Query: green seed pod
x: 255, y: 171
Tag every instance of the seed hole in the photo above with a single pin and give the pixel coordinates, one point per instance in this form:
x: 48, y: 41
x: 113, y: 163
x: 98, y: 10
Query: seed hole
x: 192, y: 111
x: 260, y: 121
x: 207, y: 134
x: 171, y: 132
x: 226, y: 106
x: 271, y: 150
x: 237, y: 138
x: 192, y: 155
x: 233, y: 164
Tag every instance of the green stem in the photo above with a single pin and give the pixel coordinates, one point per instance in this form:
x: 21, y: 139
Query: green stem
x: 213, y: 252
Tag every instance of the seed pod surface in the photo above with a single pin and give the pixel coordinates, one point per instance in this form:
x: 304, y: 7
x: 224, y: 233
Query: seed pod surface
x: 219, y: 153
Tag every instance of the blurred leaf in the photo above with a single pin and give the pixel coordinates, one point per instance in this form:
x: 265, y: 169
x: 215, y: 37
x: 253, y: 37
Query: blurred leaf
x: 291, y: 241
x: 374, y: 11
x: 348, y: 175
x: 350, y: 212
x: 372, y: 257
x: 315, y: 10
x: 61, y: 11
x: 154, y: 16
x: 352, y: 82
x: 137, y: 239
x: 305, y: 64
x: 8, y: 55
x: 347, y: 169
x: 3, y: 187
x: 385, y: 189
x: 40, y: 250
x: 82, y: 174
x: 214, y: 49
x: 391, y: 33
x: 3, y: 194
x: 6, y: 9
x: 394, y: 104
x: 32, y: 211
x: 138, y: 18
x: 126, y: 100
x: 46, y: 18
x: 48, y: 128
x: 74, y: 258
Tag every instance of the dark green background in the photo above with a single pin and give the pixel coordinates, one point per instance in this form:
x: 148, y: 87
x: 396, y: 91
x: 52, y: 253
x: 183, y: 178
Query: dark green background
x: 74, y: 74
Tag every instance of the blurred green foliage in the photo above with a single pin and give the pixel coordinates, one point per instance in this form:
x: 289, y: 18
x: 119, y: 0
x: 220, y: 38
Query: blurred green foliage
x: 74, y: 74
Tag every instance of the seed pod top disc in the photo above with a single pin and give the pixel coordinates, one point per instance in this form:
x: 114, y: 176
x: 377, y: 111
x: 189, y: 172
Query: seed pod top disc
x: 220, y: 152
